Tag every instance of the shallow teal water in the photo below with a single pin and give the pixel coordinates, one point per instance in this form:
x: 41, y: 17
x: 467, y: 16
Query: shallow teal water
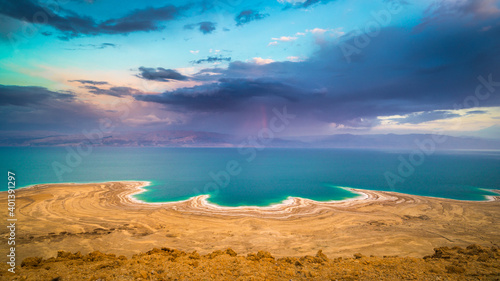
x: 272, y: 176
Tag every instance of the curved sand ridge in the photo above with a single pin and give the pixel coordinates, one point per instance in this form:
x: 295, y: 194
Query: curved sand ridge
x: 106, y: 217
x: 293, y: 206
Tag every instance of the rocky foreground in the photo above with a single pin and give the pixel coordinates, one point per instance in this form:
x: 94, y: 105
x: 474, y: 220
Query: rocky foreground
x: 471, y: 263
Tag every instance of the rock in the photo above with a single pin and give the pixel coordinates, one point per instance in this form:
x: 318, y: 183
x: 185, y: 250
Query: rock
x: 442, y: 253
x: 358, y: 256
x: 231, y: 252
x: 154, y: 251
x: 31, y: 262
x: 62, y: 255
x: 455, y: 269
x: 474, y: 249
x: 322, y: 256
x: 96, y: 256
x: 173, y: 252
x: 194, y: 255
x: 483, y: 257
x: 252, y: 257
x: 287, y: 260
x: 311, y: 259
x: 215, y: 254
x: 264, y: 255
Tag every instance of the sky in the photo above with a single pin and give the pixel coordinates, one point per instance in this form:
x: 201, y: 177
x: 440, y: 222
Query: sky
x: 227, y: 66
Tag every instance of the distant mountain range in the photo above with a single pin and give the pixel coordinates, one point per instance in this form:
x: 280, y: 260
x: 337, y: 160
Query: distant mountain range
x: 407, y: 141
x: 208, y: 139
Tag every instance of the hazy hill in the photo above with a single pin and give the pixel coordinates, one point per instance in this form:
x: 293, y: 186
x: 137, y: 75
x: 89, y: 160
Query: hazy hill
x: 209, y: 139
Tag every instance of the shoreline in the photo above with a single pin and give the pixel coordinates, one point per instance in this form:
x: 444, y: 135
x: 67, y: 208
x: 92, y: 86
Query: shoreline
x: 362, y: 194
x: 291, y: 207
x: 284, y: 203
x: 106, y: 217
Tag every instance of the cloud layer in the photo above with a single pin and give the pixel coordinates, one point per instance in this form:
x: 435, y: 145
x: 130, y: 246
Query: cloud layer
x: 247, y: 16
x: 212, y: 59
x: 204, y: 27
x: 431, y: 69
x: 37, y: 108
x: 160, y: 74
x: 421, y: 69
x: 71, y: 24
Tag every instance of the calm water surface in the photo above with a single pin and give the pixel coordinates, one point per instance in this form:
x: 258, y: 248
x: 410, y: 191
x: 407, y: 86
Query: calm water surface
x: 234, y: 179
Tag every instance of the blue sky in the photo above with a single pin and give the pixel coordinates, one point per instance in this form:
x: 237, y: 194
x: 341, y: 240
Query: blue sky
x: 387, y: 66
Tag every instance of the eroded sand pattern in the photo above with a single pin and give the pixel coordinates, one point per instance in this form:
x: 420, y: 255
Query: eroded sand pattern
x: 104, y: 217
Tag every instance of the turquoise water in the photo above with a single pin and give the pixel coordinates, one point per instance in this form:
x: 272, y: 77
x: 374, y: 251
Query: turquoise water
x: 272, y: 176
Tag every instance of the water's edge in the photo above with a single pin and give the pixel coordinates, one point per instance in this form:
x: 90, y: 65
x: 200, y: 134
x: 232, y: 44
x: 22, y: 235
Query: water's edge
x: 143, y: 188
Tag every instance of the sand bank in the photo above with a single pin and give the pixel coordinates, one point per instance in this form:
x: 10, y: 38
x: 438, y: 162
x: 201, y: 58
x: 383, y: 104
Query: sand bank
x: 105, y: 217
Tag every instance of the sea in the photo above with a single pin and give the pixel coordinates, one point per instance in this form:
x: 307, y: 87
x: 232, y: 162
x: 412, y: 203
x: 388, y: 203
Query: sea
x: 260, y: 176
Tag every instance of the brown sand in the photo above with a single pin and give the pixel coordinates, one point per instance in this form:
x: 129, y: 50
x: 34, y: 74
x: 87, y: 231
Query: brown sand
x: 89, y: 217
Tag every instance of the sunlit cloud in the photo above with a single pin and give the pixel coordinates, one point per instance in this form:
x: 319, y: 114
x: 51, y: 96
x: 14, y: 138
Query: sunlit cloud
x: 261, y: 61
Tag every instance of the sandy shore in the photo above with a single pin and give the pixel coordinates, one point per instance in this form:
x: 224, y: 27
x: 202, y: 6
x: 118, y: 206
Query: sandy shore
x: 104, y: 217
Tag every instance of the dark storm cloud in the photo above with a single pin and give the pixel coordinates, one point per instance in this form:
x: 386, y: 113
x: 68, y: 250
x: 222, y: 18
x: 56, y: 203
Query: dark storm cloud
x: 24, y: 96
x: 148, y: 19
x: 37, y: 108
x: 229, y: 95
x: 160, y: 74
x: 204, y: 27
x: 248, y: 16
x: 399, y: 72
x: 113, y: 91
x: 445, y: 11
x: 90, y: 82
x: 72, y: 24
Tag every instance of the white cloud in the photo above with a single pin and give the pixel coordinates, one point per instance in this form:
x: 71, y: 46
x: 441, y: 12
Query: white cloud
x: 261, y: 61
x: 194, y: 52
x: 320, y: 33
x: 285, y: 38
x: 282, y: 39
x: 294, y: 58
x: 337, y: 32
x: 317, y: 30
